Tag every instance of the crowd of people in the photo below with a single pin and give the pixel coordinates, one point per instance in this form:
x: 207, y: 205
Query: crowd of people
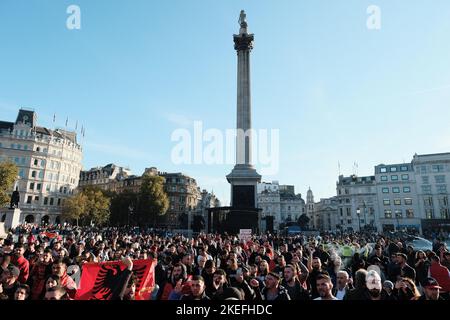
x: 45, y: 264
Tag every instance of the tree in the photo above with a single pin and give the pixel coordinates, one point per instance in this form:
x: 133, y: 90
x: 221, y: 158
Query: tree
x: 152, y: 200
x: 123, y: 207
x: 8, y: 175
x: 74, y: 208
x: 303, y: 221
x: 89, y: 205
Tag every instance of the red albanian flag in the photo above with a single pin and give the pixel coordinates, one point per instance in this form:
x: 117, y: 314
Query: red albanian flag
x: 98, y: 280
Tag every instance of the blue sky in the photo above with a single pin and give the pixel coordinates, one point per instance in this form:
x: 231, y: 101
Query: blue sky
x: 137, y: 70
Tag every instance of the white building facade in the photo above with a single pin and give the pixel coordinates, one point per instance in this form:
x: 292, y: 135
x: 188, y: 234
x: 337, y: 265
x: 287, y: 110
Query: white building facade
x: 49, y: 163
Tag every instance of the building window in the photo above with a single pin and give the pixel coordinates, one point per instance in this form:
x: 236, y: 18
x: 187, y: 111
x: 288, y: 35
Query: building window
x: 384, y: 178
x: 428, y: 201
x: 405, y: 176
x: 349, y: 221
x: 425, y: 180
x: 33, y: 174
x: 341, y: 210
x: 396, y: 190
x: 444, y: 213
x: 388, y: 214
x: 383, y: 170
x: 349, y: 213
x: 394, y: 177
x: 41, y: 174
x: 393, y: 169
x: 406, y: 189
x: 38, y: 186
x: 59, y: 202
x: 45, y: 200
x: 404, y: 168
x: 398, y: 202
x: 441, y: 188
x: 31, y: 185
x: 443, y: 202
x: 408, y: 201
x: 385, y: 190
x: 439, y: 179
x: 398, y: 214
x: 437, y: 168
x: 426, y: 189
x: 36, y: 199
x: 429, y: 213
x: 29, y: 198
x: 409, y: 213
x: 387, y: 202
x: 35, y: 162
x: 52, y: 200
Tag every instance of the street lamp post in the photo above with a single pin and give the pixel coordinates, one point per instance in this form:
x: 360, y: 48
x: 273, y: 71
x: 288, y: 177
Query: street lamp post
x: 358, y: 213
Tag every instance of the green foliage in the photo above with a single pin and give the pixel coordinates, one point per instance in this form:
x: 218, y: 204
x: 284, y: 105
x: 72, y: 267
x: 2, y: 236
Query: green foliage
x: 153, y: 200
x: 89, y: 205
x: 8, y: 175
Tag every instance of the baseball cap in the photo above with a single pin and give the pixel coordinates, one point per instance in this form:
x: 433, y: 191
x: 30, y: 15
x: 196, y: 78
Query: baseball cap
x: 388, y: 284
x: 431, y: 283
x: 373, y: 280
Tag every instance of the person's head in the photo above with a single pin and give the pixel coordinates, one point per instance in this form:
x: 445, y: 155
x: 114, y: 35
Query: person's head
x: 57, y: 246
x: 388, y: 286
x: 281, y: 261
x: 187, y: 260
x: 220, y: 277
x: 232, y: 293
x: 19, y: 250
x: 52, y: 281
x: 408, y: 289
x: 263, y: 266
x: 22, y: 292
x: 378, y: 250
x: 232, y: 263
x: 262, y: 250
x: 342, y: 278
x: 10, y: 275
x: 253, y: 269
x: 6, y: 259
x: 178, y: 271
x: 197, y: 286
x: 201, y: 260
x: 324, y: 285
x: 210, y: 266
x: 420, y: 255
x: 360, y: 278
x: 130, y: 291
x: 431, y: 289
x: 401, y: 258
x: 272, y: 280
x: 290, y: 272
x: 373, y: 283
x: 55, y: 293
x: 316, y: 263
x: 447, y: 256
x: 59, y: 267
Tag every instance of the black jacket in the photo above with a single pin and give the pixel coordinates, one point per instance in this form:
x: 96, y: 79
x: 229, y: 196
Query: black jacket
x: 297, y: 292
x: 282, y: 294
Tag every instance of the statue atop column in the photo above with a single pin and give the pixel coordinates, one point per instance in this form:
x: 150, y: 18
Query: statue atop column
x: 243, y: 22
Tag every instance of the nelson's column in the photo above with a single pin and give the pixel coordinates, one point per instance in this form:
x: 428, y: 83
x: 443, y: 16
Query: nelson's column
x: 243, y: 178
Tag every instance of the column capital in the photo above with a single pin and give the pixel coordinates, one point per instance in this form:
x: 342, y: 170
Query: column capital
x: 243, y: 42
